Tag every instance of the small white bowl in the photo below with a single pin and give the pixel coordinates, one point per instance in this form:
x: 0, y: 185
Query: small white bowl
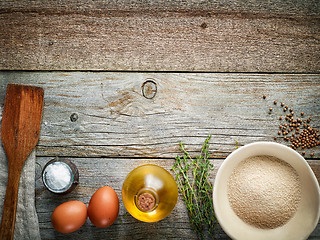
x: 303, y: 222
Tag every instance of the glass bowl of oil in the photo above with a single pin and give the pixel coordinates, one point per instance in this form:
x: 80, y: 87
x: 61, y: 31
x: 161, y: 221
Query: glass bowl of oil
x: 149, y: 193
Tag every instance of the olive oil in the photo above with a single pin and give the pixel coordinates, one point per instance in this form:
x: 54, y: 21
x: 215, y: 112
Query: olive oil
x: 149, y: 193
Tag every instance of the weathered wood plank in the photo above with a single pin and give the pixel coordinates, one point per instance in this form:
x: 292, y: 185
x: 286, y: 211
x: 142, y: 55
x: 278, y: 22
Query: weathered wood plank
x: 210, y: 36
x: 315, y: 166
x: 116, y: 120
x: 288, y: 7
x: 98, y: 172
x: 95, y: 173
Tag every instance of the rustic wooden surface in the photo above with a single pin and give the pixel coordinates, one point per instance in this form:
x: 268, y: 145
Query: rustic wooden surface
x: 182, y: 35
x: 116, y: 128
x: 116, y: 120
x: 125, y: 82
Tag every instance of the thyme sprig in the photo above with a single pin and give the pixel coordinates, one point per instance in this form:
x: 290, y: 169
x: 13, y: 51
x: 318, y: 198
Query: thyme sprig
x: 192, y: 176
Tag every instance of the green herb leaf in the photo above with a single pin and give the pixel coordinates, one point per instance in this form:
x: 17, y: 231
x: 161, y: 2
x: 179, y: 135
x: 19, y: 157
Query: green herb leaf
x: 192, y: 176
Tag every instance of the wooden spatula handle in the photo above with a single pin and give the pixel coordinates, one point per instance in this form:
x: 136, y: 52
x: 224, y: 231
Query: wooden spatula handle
x: 20, y: 130
x: 10, y: 206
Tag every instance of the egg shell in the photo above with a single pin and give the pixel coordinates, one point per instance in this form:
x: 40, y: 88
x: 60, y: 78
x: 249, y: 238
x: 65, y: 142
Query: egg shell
x: 103, y: 207
x: 69, y: 216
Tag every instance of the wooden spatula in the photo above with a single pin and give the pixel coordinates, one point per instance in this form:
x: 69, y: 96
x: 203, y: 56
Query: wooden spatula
x: 19, y: 133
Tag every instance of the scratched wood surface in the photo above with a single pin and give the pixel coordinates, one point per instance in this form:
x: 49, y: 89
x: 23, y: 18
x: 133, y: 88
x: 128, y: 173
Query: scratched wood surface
x: 183, y: 35
x: 116, y: 120
x: 97, y: 172
x: 125, y: 82
x: 108, y: 123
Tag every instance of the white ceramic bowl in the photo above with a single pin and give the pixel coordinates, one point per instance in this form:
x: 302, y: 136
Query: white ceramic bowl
x: 304, y: 221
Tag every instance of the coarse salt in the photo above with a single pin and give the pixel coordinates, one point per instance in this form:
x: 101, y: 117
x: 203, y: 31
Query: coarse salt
x: 58, y: 176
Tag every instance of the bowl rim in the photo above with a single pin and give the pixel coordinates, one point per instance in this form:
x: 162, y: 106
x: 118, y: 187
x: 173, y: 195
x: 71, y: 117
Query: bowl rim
x: 228, y: 230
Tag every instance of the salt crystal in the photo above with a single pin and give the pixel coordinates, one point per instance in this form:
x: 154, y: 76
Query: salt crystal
x: 58, y: 177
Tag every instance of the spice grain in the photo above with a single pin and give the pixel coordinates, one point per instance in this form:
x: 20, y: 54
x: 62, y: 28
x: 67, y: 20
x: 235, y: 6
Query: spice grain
x: 303, y: 135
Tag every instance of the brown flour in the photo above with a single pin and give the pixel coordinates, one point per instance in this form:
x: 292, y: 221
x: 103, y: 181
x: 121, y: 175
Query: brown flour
x: 264, y: 191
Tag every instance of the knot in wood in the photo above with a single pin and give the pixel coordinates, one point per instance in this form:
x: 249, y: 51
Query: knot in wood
x: 74, y: 117
x: 204, y: 25
x: 149, y: 89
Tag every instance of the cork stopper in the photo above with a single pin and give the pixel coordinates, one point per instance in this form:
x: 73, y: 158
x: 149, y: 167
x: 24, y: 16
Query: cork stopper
x: 146, y: 202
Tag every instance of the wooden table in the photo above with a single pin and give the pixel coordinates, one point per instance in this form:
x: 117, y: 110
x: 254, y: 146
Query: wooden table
x: 126, y: 82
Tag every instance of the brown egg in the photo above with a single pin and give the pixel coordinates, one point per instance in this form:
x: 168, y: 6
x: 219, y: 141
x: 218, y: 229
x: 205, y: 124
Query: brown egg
x: 69, y: 216
x: 103, y: 207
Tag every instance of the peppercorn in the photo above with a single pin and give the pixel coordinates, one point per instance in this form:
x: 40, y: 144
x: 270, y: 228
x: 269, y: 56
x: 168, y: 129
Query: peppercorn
x: 302, y: 135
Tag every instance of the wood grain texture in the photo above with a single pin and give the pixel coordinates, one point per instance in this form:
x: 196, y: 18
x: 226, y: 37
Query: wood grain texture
x: 95, y: 173
x: 208, y: 36
x: 103, y: 123
x: 108, y: 123
x: 116, y: 120
x: 98, y: 172
x: 310, y: 7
